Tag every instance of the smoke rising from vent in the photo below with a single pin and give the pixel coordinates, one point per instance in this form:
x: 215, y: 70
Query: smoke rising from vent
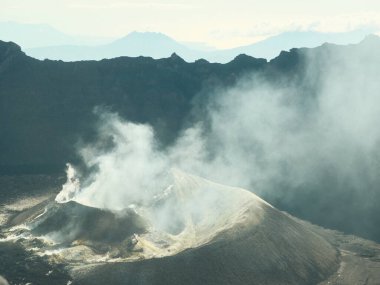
x: 178, y: 210
x: 309, y: 144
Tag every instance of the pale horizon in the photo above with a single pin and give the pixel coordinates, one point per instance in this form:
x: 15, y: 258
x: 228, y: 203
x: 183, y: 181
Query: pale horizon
x: 217, y: 24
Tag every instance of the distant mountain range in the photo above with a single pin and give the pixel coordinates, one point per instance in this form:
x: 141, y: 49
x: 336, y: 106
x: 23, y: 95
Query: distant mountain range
x: 155, y: 45
x: 272, y: 46
x: 43, y: 35
x: 44, y: 42
x: 158, y: 45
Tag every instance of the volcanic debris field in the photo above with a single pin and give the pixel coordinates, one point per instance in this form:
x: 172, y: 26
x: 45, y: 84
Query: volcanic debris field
x: 273, y: 248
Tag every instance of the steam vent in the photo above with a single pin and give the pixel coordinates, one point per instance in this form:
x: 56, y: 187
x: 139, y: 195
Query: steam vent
x: 193, y: 232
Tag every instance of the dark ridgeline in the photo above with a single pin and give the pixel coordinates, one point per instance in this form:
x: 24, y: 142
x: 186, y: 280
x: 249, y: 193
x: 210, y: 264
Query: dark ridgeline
x: 46, y: 110
x: 47, y: 106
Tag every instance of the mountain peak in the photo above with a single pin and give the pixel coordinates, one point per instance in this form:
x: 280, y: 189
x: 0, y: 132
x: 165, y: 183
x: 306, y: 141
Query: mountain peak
x: 176, y: 58
x: 8, y: 49
x: 247, y: 61
x: 9, y: 45
x: 370, y: 39
x: 145, y: 36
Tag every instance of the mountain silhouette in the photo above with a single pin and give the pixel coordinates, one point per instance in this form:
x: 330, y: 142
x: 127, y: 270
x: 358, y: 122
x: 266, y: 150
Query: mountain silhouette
x: 158, y: 45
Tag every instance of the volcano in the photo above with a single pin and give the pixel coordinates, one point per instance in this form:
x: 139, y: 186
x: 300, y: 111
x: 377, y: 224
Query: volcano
x: 192, y: 232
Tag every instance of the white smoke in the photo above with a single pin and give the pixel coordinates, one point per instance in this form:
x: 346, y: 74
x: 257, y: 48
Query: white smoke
x: 134, y: 172
x: 181, y: 210
x: 260, y: 135
x: 311, y: 143
x: 70, y: 188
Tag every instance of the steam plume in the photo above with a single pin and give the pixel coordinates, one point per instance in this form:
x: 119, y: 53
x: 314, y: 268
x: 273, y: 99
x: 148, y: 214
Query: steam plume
x: 309, y: 144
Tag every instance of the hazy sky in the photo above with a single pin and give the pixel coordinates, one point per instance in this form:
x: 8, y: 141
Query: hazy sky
x: 219, y: 23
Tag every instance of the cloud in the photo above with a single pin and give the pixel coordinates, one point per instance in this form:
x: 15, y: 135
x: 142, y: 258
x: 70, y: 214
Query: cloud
x: 159, y: 5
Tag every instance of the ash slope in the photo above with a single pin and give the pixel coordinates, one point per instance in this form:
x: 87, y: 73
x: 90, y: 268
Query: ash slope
x: 260, y: 245
x: 276, y: 251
